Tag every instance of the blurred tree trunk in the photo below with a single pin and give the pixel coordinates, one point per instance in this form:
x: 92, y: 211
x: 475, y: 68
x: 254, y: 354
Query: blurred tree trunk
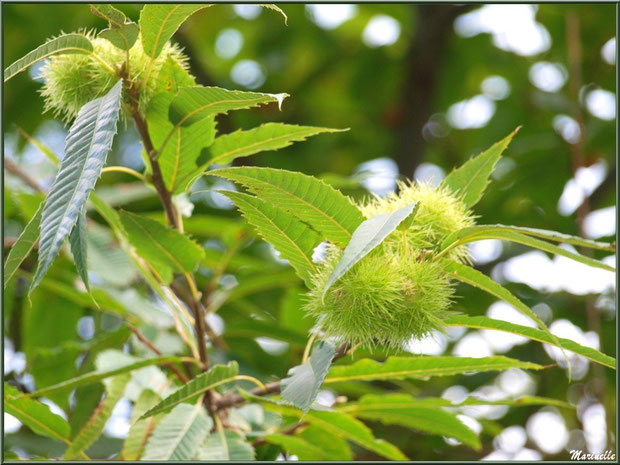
x: 422, y: 68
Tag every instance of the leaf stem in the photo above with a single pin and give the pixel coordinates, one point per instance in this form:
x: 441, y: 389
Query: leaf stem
x: 123, y: 169
x: 251, y: 379
x: 304, y: 359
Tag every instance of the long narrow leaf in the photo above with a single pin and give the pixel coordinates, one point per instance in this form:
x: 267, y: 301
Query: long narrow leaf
x: 293, y: 239
x: 192, y: 104
x: 483, y: 322
x: 397, y: 409
x: 86, y: 148
x: 219, y: 374
x: 270, y: 136
x: 529, y: 241
x: 421, y: 367
x: 469, y: 180
x: 328, y: 211
x: 35, y: 415
x: 541, y: 233
x: 23, y: 246
x: 94, y: 427
x: 96, y: 376
x: 65, y: 44
x: 140, y: 430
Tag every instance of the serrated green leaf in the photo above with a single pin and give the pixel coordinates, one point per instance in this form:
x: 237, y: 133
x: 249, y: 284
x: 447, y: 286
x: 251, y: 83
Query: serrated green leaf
x: 86, y: 148
x: 140, y: 430
x: 293, y: 239
x: 65, y: 44
x: 470, y: 180
x: 225, y: 445
x: 273, y: 7
x: 179, y: 434
x: 270, y: 136
x: 95, y: 425
x: 540, y: 233
x: 477, y: 279
x: 328, y: 211
x: 180, y: 158
x: 23, y: 246
x: 312, y: 443
x: 395, y: 409
x: 192, y: 104
x: 77, y: 239
x: 343, y: 426
x: 302, y: 385
x: 35, y: 415
x: 218, y: 374
x: 378, y: 401
x: 96, y: 376
x: 158, y: 22
x: 366, y: 237
x: 483, y: 322
x: 160, y: 245
x: 122, y: 37
x: 115, y: 17
x: 482, y: 233
x: 421, y: 367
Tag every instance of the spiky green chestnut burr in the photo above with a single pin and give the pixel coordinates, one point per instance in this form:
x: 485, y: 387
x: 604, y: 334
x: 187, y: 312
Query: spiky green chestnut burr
x: 71, y: 81
x: 397, y: 292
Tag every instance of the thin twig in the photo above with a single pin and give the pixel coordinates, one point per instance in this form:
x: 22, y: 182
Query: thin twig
x: 14, y: 168
x: 150, y: 345
x: 288, y: 431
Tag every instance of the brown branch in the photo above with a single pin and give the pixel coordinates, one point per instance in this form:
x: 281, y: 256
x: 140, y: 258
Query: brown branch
x: 143, y: 130
x: 14, y: 169
x: 230, y: 400
x: 142, y: 338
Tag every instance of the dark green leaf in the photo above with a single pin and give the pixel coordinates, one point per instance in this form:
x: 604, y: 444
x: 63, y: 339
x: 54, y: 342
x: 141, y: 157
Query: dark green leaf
x: 23, y: 246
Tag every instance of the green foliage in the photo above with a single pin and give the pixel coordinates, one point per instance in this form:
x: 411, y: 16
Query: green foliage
x: 470, y: 180
x: 22, y: 247
x: 302, y: 385
x: 482, y: 322
x: 269, y: 136
x: 293, y: 239
x: 327, y: 210
x: 219, y: 374
x: 77, y: 239
x: 158, y: 22
x: 122, y: 37
x: 421, y: 367
x: 65, y: 44
x: 173, y: 313
x: 178, y: 435
x: 87, y: 145
x: 192, y: 104
x: 35, y: 415
x: 94, y: 427
x: 164, y: 248
x: 225, y: 445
